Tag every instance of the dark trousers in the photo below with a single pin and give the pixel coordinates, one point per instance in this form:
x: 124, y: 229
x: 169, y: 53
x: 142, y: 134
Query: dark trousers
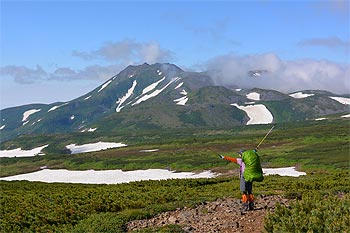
x: 246, y: 187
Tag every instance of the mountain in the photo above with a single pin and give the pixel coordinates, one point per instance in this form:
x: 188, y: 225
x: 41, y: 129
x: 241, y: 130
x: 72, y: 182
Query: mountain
x: 163, y: 96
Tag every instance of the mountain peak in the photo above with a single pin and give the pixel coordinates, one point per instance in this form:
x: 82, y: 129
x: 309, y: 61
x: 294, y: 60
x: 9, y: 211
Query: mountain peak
x: 162, y: 95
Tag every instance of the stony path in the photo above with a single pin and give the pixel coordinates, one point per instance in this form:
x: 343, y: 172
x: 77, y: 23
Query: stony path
x: 219, y: 216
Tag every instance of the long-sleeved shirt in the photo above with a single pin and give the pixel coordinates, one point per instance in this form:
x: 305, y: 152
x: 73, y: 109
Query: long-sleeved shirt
x: 238, y: 161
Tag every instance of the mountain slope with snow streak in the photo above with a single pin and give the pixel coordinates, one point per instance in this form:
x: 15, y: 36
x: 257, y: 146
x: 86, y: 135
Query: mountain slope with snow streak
x: 300, y: 95
x: 152, y: 86
x: 77, y: 149
x: 159, y: 96
x: 253, y: 96
x: 126, y: 96
x: 105, y: 85
x: 26, y: 114
x: 342, y: 100
x: 21, y: 153
x: 258, y: 114
x: 154, y: 93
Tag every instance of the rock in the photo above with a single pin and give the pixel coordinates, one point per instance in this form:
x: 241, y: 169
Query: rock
x: 172, y: 220
x: 219, y: 216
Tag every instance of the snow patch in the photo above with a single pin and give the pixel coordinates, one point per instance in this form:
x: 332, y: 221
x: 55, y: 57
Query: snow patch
x: 253, y: 96
x: 320, y: 119
x: 155, y: 93
x: 342, y: 100
x: 181, y: 101
x: 238, y: 89
x: 106, y: 176
x: 258, y: 114
x: 183, y: 92
x: 26, y: 114
x: 86, y: 98
x: 178, y: 86
x: 89, y: 130
x: 119, y: 176
x: 104, y: 85
x: 72, y: 117
x: 346, y: 116
x: 21, y: 153
x: 151, y: 150
x: 300, y: 95
x: 56, y: 107
x: 283, y: 171
x: 152, y: 86
x: 93, y: 147
x: 2, y: 127
x: 126, y: 96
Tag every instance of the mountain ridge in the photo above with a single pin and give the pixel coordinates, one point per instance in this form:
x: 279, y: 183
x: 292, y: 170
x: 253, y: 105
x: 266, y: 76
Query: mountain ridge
x: 162, y: 96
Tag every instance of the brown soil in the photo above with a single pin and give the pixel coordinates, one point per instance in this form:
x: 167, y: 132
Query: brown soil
x: 223, y: 215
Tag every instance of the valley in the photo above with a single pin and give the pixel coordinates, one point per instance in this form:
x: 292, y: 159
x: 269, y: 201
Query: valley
x: 145, y: 144
x: 318, y: 148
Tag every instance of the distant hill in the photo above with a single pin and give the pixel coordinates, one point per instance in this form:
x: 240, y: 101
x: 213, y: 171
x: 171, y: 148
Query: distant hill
x: 163, y: 96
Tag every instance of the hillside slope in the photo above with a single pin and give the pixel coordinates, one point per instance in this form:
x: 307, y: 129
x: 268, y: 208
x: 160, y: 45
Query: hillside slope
x: 162, y: 96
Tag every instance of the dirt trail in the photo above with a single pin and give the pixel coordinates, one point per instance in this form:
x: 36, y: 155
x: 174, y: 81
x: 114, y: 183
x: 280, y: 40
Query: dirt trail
x: 219, y: 216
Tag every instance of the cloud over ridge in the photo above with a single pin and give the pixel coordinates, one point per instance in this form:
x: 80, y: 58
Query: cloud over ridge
x: 227, y: 70
x: 127, y: 51
x: 285, y: 76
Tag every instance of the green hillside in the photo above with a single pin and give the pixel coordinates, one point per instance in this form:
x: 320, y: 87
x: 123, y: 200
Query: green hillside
x: 306, y: 144
x: 321, y: 148
x: 144, y: 98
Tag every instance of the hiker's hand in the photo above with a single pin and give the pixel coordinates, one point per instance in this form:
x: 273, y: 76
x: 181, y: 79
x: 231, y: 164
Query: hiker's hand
x: 221, y: 156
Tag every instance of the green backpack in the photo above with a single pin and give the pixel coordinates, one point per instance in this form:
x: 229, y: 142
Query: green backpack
x: 253, y: 170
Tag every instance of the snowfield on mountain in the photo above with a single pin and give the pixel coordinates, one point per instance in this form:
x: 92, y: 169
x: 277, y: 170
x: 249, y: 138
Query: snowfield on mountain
x: 258, y: 114
x: 21, y: 153
x: 164, y: 96
x: 76, y: 149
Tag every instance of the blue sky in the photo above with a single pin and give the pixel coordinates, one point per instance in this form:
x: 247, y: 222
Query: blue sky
x: 59, y: 50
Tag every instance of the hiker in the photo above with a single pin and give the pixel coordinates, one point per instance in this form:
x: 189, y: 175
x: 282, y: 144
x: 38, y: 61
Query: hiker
x: 250, y: 170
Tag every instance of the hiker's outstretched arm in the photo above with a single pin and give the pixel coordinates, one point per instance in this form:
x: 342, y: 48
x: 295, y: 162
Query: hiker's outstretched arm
x: 234, y: 160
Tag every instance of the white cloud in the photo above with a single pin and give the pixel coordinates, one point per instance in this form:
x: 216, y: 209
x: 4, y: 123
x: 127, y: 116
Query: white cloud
x: 152, y: 53
x: 121, y: 53
x: 329, y: 42
x: 24, y: 75
x: 128, y: 52
x: 285, y: 76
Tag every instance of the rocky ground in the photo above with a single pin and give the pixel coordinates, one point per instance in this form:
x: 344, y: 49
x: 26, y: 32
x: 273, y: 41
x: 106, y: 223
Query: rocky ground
x: 223, y: 215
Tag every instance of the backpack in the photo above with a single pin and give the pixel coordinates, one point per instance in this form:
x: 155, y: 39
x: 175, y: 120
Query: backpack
x: 253, y: 170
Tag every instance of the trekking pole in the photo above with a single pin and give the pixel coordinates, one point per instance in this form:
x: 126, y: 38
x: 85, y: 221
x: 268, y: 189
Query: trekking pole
x: 264, y: 137
x: 215, y: 152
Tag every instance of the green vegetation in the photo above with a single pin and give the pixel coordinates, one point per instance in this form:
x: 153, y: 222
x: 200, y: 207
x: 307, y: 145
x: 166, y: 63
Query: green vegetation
x: 320, y: 200
x: 42, y: 207
x: 309, y: 145
x: 315, y: 213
